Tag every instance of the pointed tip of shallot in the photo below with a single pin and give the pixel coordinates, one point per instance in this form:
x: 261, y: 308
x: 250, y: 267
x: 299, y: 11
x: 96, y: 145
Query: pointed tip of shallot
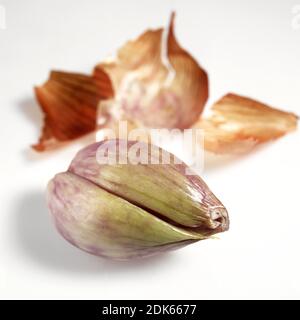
x: 220, y: 219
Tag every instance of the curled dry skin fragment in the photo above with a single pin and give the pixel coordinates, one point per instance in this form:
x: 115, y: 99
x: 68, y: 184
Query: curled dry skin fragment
x: 124, y: 211
x: 69, y: 102
x: 153, y: 83
x: 238, y: 123
x: 157, y: 83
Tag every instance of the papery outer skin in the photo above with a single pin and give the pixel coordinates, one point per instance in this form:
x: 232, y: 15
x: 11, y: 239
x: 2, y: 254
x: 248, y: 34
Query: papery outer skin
x: 164, y: 188
x: 69, y: 102
x: 238, y: 124
x: 151, y: 92
x: 105, y: 225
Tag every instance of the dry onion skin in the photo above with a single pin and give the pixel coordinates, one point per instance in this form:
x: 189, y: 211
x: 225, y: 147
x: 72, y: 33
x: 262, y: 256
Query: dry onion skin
x: 153, y: 83
x: 69, y: 102
x: 237, y: 124
x: 157, y: 83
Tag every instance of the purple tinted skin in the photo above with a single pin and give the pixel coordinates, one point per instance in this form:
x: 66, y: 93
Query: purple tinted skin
x: 105, y: 223
x: 193, y: 204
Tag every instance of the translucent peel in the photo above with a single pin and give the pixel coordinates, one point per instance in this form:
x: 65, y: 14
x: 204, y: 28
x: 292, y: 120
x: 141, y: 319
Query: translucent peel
x: 157, y: 84
x: 238, y: 123
x: 129, y: 211
x: 69, y: 102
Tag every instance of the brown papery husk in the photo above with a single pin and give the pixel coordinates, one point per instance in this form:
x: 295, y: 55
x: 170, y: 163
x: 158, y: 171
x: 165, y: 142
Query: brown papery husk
x: 157, y: 83
x: 69, y: 102
x: 237, y: 124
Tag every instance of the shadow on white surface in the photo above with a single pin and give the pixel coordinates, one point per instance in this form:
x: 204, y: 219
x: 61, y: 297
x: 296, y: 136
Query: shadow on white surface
x: 214, y: 162
x: 31, y: 110
x: 38, y: 241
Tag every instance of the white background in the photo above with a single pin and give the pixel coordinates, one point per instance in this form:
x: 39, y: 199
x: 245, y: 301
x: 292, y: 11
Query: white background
x: 248, y: 47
